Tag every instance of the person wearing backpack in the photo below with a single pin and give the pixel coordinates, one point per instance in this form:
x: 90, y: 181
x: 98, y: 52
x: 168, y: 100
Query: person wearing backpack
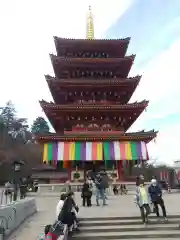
x: 143, y: 201
x: 155, y: 194
x: 86, y: 194
x: 100, y: 190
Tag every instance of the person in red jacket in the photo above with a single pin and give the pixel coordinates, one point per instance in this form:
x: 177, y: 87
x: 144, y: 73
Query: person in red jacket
x: 48, y: 235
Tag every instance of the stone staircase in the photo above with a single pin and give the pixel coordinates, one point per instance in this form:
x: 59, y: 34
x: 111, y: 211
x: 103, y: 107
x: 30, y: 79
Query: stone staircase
x: 128, y: 228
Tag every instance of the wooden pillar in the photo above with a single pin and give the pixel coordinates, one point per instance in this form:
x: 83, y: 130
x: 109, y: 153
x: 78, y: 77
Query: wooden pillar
x: 131, y: 164
x: 69, y: 170
x: 119, y: 166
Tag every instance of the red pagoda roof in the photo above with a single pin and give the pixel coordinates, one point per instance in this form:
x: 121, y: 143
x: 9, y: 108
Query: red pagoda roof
x: 120, y: 66
x: 58, y: 114
x: 79, y: 61
x: 117, y: 47
x: 94, y: 106
x: 99, y: 136
x: 91, y: 41
x: 124, y: 87
x: 92, y: 114
x: 84, y: 82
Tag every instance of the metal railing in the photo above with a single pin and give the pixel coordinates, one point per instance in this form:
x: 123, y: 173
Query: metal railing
x: 65, y: 235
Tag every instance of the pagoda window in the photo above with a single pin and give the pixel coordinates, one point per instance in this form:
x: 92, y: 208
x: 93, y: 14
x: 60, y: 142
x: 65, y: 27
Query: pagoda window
x: 92, y: 126
x: 69, y: 54
x: 91, y: 74
x: 87, y: 54
x: 106, y: 127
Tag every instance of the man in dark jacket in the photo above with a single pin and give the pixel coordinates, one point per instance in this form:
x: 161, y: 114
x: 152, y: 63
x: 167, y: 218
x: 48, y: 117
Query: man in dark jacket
x: 105, y: 181
x: 100, y: 194
x: 23, y: 188
x: 86, y: 194
x: 155, y: 194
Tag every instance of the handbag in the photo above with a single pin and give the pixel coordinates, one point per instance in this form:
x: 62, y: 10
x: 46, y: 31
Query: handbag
x: 148, y: 209
x: 77, y: 208
x: 151, y: 208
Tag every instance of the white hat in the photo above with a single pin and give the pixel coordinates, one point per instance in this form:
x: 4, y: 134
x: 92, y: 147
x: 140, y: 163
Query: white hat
x: 153, y: 181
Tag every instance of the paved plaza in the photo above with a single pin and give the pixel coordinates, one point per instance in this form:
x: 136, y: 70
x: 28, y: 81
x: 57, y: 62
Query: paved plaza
x: 120, y: 206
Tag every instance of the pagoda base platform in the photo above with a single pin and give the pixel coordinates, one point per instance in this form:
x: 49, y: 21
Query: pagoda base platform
x: 77, y: 171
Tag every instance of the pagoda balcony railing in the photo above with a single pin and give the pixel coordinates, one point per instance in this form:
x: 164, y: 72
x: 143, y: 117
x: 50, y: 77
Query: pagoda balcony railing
x: 101, y: 102
x: 80, y: 80
x: 97, y: 103
x: 93, y: 131
x: 92, y: 74
x: 87, y: 55
x: 98, y: 128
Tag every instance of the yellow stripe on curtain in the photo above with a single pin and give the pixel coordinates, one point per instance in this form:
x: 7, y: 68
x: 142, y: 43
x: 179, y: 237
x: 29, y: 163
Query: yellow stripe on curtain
x: 99, y: 152
x: 71, y: 151
x: 128, y: 151
x: 45, y: 153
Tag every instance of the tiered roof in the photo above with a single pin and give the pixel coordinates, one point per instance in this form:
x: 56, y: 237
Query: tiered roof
x: 125, y: 86
x: 119, y: 66
x: 116, y: 47
x: 84, y: 66
x: 100, y: 136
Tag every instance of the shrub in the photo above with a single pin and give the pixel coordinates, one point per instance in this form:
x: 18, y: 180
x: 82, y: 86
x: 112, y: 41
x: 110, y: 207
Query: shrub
x: 76, y: 175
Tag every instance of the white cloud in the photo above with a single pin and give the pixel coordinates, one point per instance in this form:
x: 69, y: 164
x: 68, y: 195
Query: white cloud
x: 160, y: 79
x: 166, y: 146
x: 27, y: 30
x: 161, y: 85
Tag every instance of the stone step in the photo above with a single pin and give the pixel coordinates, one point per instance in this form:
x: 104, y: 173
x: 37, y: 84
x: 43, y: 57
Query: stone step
x: 147, y: 234
x: 136, y: 228
x: 159, y: 238
x: 124, y: 218
x: 153, y: 221
x: 154, y: 237
x: 128, y: 228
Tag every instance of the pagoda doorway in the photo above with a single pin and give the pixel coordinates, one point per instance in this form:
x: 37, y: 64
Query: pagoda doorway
x: 94, y: 167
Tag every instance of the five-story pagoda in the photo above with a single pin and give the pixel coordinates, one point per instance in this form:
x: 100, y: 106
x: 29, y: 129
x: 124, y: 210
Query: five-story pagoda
x: 90, y: 112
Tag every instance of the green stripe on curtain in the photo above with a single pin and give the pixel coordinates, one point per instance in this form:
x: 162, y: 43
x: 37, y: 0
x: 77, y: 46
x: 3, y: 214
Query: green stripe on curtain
x: 77, y: 151
x: 133, y: 150
x: 60, y: 164
x: 49, y: 154
x: 106, y: 148
x: 106, y: 154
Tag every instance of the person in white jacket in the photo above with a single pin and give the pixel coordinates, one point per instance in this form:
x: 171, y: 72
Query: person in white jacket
x: 60, y: 204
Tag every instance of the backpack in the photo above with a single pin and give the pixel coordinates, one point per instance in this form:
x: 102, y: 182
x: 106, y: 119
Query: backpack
x: 57, y: 228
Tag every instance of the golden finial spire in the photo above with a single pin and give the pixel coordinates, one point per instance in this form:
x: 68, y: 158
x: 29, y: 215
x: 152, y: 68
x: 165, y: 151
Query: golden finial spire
x: 90, y: 25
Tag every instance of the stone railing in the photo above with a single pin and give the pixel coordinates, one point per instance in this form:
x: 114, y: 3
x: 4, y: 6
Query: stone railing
x: 76, y: 187
x: 65, y: 236
x: 12, y: 215
x: 59, y: 187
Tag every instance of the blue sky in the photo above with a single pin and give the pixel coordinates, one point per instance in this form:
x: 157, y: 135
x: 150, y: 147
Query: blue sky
x: 26, y: 40
x: 154, y: 27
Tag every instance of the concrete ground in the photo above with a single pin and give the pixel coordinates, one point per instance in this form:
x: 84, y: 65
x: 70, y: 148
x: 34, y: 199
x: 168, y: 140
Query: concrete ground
x: 117, y: 206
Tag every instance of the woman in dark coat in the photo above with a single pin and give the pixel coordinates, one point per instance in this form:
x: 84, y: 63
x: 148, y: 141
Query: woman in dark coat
x: 86, y: 194
x: 67, y: 215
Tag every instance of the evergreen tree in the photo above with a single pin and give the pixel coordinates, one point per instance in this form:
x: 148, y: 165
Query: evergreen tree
x: 8, y: 114
x: 16, y: 127
x: 40, y: 125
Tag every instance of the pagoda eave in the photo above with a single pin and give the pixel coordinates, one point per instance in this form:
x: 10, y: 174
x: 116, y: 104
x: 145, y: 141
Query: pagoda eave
x: 66, y: 61
x: 111, y: 82
x: 96, y: 106
x: 145, y: 137
x: 92, y: 41
x: 114, y: 46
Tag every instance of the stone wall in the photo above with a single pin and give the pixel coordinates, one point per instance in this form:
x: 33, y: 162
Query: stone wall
x: 12, y: 215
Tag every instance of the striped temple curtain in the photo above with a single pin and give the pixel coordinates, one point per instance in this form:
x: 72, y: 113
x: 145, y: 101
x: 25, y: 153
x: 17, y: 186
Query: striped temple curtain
x: 94, y: 151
